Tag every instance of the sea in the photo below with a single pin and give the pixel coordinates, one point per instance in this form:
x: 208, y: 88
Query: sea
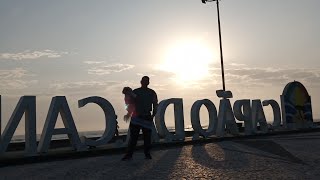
x: 88, y: 134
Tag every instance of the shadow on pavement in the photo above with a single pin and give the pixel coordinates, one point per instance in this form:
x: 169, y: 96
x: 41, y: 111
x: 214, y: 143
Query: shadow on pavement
x: 162, y: 165
x: 271, y: 147
x: 214, y: 155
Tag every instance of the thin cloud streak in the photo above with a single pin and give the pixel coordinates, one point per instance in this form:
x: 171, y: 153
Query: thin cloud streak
x: 14, y: 79
x: 87, y: 87
x: 10, y: 74
x: 78, y: 85
x: 237, y: 75
x: 28, y: 54
x: 268, y: 76
x: 108, y: 69
x: 93, y: 62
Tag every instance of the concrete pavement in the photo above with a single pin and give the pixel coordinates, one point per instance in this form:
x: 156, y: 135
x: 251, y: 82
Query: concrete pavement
x: 291, y: 156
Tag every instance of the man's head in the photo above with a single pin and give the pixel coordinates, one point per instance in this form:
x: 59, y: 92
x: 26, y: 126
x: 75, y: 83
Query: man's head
x: 144, y: 81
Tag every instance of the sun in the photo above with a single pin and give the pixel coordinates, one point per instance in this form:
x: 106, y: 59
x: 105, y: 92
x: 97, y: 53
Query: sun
x: 188, y: 60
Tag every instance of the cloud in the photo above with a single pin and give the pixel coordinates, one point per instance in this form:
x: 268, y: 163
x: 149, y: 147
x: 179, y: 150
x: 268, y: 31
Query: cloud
x: 242, y: 75
x: 15, y: 79
x: 266, y: 76
x: 85, y: 87
x: 28, y: 54
x: 75, y: 85
x: 93, y: 62
x: 108, y: 69
x: 156, y: 74
x: 13, y: 74
x: 142, y: 74
x: 237, y: 64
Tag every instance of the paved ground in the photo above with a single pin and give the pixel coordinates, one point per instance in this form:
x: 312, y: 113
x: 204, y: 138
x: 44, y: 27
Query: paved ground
x: 274, y: 157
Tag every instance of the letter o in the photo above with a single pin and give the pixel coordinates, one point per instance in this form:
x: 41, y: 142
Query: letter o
x: 195, y: 117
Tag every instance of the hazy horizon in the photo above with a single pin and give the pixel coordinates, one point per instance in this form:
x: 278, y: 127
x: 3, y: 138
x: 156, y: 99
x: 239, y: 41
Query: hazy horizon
x: 84, y: 48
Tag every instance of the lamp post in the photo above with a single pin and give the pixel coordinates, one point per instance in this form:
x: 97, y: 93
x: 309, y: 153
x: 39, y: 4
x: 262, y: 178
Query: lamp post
x: 221, y: 55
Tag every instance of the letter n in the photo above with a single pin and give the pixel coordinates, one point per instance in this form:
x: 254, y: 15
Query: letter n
x: 27, y: 106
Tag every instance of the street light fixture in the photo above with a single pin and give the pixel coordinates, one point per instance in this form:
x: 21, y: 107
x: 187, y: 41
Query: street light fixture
x: 221, y: 56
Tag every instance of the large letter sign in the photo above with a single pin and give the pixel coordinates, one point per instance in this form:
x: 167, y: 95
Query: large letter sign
x: 276, y: 112
x: 110, y: 118
x: 245, y: 115
x: 27, y: 106
x: 59, y: 105
x: 195, y: 118
x: 178, y: 116
x: 225, y: 117
x: 258, y: 116
x: 295, y: 105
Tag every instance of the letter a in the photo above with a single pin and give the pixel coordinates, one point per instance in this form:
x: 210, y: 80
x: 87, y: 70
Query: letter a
x: 226, y: 119
x: 59, y: 105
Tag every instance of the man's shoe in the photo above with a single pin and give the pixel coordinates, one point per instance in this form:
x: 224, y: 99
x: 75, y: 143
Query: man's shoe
x: 126, y: 158
x: 148, y: 156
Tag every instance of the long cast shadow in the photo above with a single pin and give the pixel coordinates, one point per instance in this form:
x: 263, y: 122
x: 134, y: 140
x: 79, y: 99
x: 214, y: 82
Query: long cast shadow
x: 160, y: 166
x: 230, y: 160
x: 271, y: 147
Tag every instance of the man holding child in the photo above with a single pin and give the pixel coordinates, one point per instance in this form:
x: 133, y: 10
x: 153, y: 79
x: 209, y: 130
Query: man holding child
x: 145, y: 104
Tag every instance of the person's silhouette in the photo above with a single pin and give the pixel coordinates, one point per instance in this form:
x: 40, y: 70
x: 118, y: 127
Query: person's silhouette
x: 146, y: 101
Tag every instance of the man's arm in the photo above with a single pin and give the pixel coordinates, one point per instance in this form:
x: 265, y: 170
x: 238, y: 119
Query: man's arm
x: 154, y: 104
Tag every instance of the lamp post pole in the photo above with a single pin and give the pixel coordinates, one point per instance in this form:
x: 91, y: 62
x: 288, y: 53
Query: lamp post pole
x: 220, y: 42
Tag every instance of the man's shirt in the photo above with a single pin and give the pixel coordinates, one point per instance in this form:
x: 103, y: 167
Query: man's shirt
x: 144, y: 100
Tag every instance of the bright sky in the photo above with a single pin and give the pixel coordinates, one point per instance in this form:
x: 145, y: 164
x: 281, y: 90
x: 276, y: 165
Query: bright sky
x: 86, y: 48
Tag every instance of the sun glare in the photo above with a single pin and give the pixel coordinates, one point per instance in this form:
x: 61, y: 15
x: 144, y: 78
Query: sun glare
x: 189, y: 61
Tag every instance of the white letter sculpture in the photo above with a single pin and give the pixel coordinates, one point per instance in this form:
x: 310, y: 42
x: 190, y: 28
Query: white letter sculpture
x: 195, y: 118
x: 110, y: 119
x: 276, y: 112
x: 27, y: 106
x: 245, y: 115
x: 225, y: 116
x: 178, y: 116
x: 258, y: 116
x: 60, y: 105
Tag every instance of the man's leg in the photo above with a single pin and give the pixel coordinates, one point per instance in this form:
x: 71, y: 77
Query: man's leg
x: 134, y: 133
x: 147, y: 142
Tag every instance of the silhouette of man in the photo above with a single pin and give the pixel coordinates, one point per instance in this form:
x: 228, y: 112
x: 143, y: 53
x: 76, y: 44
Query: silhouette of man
x: 146, y: 103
